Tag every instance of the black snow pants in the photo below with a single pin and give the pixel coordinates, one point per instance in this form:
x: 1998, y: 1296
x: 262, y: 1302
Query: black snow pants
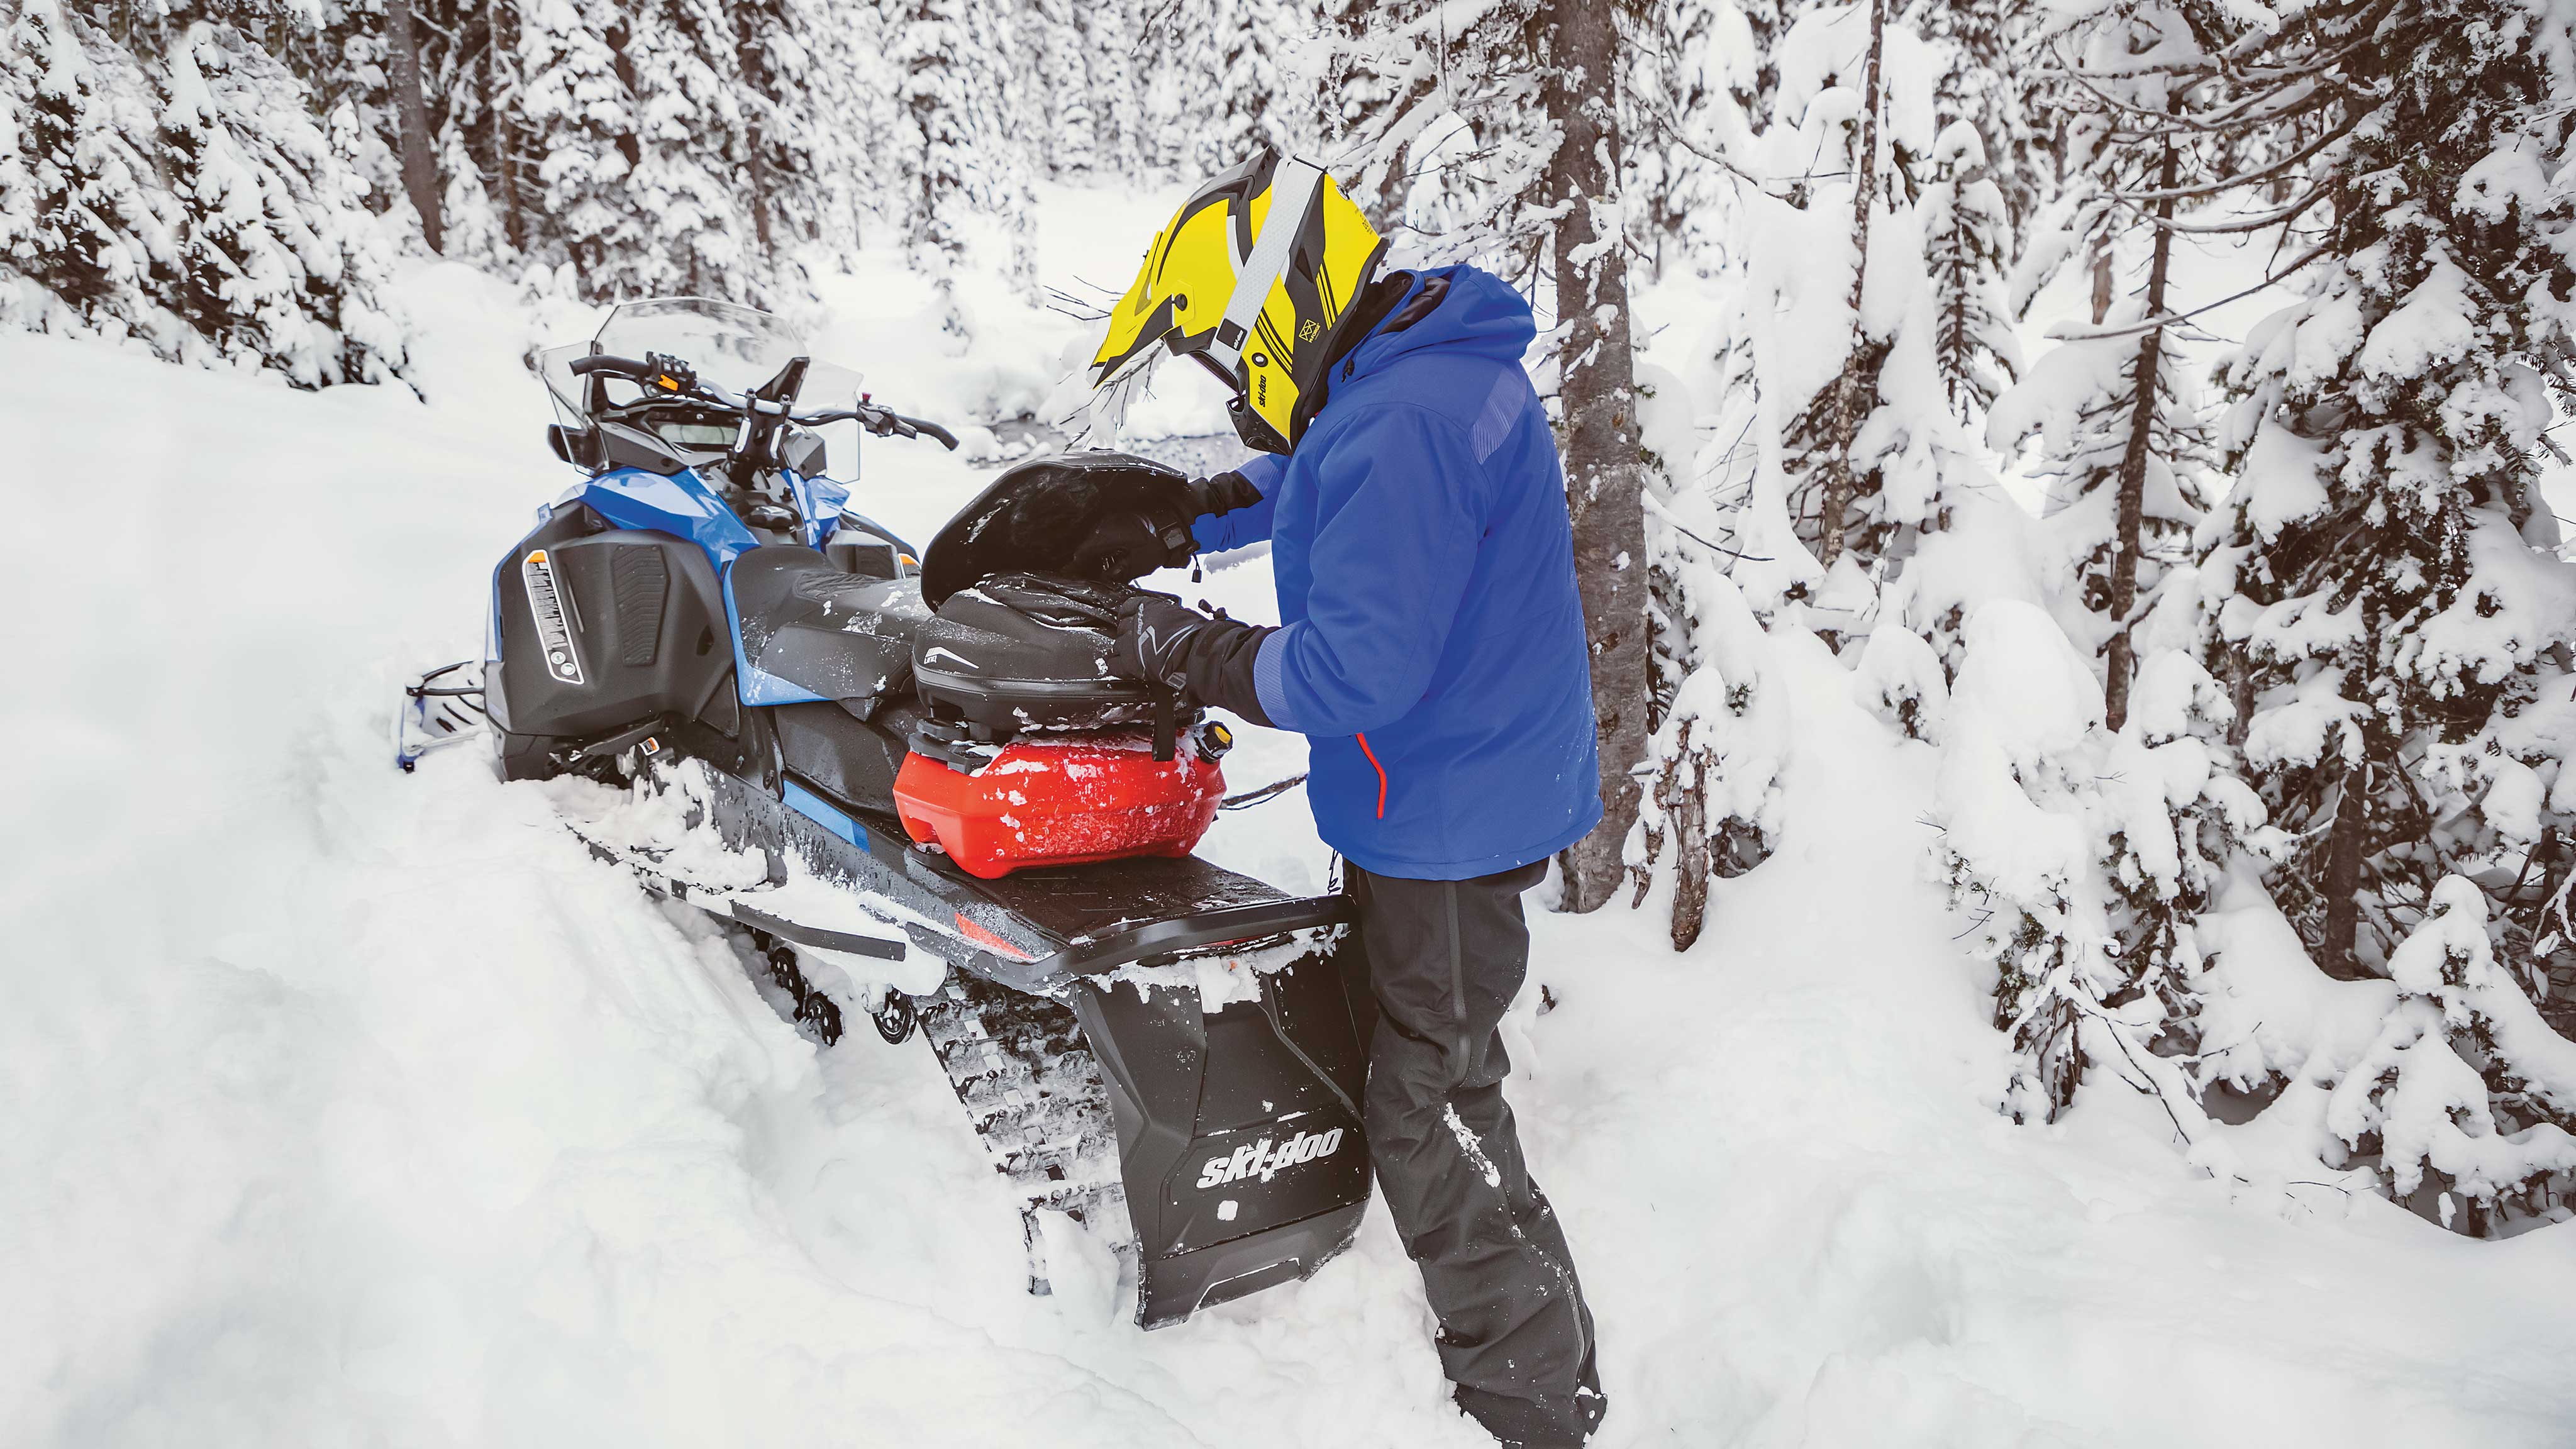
x: 1437, y: 964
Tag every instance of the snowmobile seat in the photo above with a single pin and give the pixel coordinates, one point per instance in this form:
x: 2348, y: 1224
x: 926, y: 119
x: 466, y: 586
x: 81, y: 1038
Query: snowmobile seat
x: 844, y: 636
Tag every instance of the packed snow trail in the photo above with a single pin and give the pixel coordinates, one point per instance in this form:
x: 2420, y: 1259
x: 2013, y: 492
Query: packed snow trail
x: 345, y: 1106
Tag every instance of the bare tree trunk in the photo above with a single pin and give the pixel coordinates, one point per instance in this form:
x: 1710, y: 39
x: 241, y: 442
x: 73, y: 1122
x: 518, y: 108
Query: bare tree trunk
x: 757, y: 174
x: 500, y: 90
x: 1847, y: 388
x: 2103, y: 275
x: 1605, y: 488
x: 2128, y: 542
x: 411, y: 115
x: 1686, y: 816
x: 2344, y: 847
x: 753, y: 63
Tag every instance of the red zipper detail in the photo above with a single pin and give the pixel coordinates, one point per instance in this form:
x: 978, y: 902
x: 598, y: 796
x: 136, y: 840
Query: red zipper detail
x: 1381, y: 774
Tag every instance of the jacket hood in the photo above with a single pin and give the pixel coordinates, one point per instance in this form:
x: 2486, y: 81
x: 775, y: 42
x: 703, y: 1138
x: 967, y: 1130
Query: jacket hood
x: 1481, y: 314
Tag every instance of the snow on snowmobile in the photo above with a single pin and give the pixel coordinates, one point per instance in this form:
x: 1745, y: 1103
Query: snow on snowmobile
x: 887, y: 768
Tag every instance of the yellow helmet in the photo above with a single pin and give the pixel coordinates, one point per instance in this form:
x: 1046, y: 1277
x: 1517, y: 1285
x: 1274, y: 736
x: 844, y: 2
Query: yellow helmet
x: 1253, y: 278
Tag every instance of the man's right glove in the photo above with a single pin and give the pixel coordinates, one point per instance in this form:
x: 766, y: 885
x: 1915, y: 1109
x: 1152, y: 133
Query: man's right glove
x: 1123, y: 547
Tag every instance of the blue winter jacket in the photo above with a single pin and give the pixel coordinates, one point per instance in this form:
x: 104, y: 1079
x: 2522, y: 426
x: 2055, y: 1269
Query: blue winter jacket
x: 1433, y: 647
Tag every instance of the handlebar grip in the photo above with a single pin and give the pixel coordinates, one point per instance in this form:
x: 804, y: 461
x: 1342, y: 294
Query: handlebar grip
x: 601, y: 362
x: 930, y: 429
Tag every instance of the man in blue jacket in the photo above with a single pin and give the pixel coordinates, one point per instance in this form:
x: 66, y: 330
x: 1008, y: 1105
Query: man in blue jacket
x: 1431, y: 648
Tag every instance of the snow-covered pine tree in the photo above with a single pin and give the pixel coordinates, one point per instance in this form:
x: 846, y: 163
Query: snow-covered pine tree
x: 483, y: 158
x: 68, y: 176
x: 1253, y: 89
x: 1833, y: 391
x: 1755, y: 82
x: 1717, y: 717
x: 1053, y: 42
x: 773, y: 57
x: 1112, y: 86
x: 2125, y: 444
x: 928, y: 45
x: 1007, y: 115
x: 2083, y: 854
x: 1966, y: 234
x: 341, y: 48
x: 684, y: 201
x: 1691, y: 58
x: 852, y: 111
x: 2467, y: 1092
x: 2384, y: 581
x: 580, y: 117
x: 1990, y: 51
x: 278, y: 265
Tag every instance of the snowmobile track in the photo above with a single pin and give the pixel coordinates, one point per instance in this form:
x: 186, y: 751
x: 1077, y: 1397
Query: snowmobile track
x: 1033, y: 1090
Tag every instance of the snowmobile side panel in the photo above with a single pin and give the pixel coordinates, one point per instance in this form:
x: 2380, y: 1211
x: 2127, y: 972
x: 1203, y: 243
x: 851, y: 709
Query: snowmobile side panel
x: 634, y: 617
x: 849, y: 760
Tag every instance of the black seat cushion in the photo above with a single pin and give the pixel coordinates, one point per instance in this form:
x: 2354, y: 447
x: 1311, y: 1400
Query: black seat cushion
x: 843, y: 636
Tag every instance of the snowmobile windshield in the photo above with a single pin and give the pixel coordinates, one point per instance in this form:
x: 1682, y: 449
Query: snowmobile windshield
x: 734, y: 347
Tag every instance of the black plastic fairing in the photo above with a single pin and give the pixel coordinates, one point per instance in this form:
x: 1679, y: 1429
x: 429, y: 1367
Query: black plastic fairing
x: 637, y: 615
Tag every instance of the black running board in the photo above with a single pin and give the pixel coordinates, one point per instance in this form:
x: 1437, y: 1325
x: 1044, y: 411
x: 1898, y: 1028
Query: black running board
x: 879, y: 947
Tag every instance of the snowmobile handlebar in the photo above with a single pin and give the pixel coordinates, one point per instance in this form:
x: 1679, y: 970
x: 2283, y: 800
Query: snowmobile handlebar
x: 883, y: 423
x: 670, y: 376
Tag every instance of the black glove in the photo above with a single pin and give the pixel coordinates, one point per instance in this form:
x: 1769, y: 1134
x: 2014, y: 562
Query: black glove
x: 1126, y: 546
x: 1154, y: 633
x: 1208, y: 660
x: 1223, y: 493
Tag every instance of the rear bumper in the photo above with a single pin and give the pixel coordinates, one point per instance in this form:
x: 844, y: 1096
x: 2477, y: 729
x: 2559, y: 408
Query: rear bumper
x: 1184, y: 1283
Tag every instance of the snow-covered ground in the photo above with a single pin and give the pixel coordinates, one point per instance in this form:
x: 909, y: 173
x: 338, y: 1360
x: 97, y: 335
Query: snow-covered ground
x: 340, y: 1106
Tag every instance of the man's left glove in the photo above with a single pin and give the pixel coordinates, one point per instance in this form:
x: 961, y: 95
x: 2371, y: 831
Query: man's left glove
x: 1208, y: 660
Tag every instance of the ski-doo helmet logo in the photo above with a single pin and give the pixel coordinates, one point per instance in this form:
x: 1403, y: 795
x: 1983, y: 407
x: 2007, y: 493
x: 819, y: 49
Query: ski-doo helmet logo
x: 1264, y: 1158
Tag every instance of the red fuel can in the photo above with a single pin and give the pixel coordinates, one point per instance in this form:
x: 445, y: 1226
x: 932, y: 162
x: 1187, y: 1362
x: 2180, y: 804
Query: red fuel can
x: 1060, y: 803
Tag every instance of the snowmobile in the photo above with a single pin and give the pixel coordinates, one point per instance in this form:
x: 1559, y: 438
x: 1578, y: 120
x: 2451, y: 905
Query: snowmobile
x: 867, y: 760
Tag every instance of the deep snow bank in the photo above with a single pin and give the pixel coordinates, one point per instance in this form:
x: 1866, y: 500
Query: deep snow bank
x: 349, y: 1106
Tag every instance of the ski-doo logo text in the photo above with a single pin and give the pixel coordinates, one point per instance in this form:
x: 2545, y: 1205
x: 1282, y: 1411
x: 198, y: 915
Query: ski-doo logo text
x: 1263, y: 1159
